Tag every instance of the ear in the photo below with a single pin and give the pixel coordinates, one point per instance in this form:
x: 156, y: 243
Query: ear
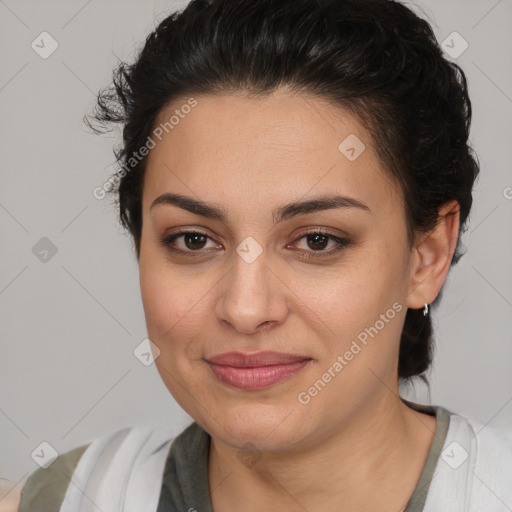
x: 431, y: 257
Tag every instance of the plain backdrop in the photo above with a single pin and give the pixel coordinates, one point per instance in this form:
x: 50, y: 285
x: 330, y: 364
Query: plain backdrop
x: 71, y: 317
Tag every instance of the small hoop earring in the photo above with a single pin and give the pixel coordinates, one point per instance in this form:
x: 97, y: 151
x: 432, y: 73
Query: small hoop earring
x: 425, y: 310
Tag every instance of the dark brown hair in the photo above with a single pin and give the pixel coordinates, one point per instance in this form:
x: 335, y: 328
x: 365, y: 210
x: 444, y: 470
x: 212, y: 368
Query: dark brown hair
x: 374, y: 57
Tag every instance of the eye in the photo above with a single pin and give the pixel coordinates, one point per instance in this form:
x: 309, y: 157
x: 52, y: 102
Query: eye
x: 193, y: 241
x: 317, y: 242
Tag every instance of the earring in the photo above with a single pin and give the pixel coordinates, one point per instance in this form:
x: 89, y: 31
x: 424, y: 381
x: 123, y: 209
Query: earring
x: 425, y: 310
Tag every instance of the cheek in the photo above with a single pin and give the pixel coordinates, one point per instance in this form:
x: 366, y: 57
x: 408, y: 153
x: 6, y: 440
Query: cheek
x: 173, y: 304
x: 351, y: 301
x: 171, y: 322
x: 345, y: 294
x: 172, y: 310
x: 158, y: 299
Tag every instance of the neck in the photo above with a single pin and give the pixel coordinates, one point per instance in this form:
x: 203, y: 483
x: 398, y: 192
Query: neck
x: 372, y: 462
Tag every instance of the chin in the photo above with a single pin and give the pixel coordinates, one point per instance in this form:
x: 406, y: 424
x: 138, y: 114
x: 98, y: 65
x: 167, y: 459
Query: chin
x: 266, y: 427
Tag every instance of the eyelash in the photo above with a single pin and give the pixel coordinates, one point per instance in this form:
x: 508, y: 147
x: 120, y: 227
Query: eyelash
x: 341, y: 243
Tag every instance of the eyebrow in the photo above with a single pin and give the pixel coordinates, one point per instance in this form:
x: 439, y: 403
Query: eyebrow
x: 287, y: 211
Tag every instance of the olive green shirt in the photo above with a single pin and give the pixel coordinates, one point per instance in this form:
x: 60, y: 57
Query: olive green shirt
x: 185, y: 480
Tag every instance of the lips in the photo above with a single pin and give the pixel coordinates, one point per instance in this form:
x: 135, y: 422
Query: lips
x: 255, y: 371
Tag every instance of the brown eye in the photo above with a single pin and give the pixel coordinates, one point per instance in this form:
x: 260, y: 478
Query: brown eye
x: 191, y: 242
x: 194, y: 241
x: 317, y: 241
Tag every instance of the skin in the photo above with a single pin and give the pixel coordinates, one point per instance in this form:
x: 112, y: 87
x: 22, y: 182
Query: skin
x: 355, y: 445
x: 9, y: 495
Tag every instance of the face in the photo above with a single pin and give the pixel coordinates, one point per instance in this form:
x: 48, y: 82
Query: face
x: 268, y: 268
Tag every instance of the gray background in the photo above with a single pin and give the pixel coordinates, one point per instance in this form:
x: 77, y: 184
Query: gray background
x: 69, y: 325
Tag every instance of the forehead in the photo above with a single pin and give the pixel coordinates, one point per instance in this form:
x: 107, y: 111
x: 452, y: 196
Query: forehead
x: 281, y: 146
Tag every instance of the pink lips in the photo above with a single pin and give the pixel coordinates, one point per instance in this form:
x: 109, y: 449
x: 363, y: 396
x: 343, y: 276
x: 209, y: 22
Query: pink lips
x: 255, y: 371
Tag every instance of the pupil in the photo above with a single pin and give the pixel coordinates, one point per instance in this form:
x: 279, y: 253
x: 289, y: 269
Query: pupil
x: 316, y: 238
x: 193, y: 237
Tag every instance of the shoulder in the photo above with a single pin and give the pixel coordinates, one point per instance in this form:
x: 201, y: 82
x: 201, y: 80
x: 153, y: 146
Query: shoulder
x: 47, y: 486
x: 493, y: 449
x: 474, y: 468
x: 490, y: 467
x: 491, y: 446
x: 99, y: 467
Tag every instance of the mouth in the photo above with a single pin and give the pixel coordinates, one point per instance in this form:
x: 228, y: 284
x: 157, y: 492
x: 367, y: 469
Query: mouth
x: 255, y: 371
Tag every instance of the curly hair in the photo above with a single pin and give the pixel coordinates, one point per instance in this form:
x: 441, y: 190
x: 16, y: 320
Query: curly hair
x: 376, y: 58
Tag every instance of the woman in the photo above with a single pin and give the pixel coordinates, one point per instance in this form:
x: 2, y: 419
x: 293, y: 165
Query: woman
x: 295, y: 176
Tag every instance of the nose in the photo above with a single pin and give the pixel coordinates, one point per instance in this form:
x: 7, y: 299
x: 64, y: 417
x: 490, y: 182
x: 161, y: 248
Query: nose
x: 253, y: 297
